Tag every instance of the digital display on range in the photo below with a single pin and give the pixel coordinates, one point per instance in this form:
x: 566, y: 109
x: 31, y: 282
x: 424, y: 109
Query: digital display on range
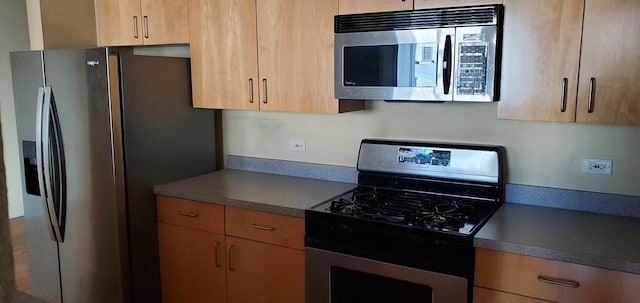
x: 423, y: 156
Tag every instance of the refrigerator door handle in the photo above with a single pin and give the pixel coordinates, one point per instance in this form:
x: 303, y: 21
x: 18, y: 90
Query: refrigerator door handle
x: 40, y: 158
x: 55, y: 202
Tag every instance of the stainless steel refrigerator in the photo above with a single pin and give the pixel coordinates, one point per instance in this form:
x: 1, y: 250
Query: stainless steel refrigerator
x: 97, y: 128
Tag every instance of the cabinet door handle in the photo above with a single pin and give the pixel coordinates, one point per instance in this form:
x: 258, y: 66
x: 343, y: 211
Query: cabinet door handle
x: 563, y: 100
x: 229, y: 265
x: 261, y: 227
x: 250, y: 90
x: 145, y: 26
x: 134, y: 27
x: 592, y: 94
x: 264, y: 91
x: 191, y: 215
x: 217, y: 247
x: 560, y: 282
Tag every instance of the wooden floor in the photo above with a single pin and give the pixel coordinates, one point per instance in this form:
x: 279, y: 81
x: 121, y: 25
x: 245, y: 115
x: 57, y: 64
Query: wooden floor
x: 20, y: 253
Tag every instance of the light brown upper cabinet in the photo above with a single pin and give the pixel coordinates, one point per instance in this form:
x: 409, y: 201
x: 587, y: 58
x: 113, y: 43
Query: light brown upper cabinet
x: 370, y: 6
x: 547, y: 75
x: 608, y: 90
x: 420, y: 4
x: 264, y: 55
x: 144, y: 22
x: 69, y: 23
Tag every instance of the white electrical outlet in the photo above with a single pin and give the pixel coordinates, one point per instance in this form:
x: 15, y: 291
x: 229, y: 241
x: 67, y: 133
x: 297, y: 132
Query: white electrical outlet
x: 596, y: 166
x: 297, y: 145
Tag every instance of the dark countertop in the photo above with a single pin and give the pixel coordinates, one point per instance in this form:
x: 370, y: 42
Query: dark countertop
x: 258, y: 191
x: 605, y: 241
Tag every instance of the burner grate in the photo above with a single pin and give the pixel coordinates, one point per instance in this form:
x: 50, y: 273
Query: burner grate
x: 408, y: 208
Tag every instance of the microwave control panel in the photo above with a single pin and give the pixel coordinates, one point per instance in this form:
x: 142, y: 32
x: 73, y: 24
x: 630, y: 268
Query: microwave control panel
x: 472, y: 68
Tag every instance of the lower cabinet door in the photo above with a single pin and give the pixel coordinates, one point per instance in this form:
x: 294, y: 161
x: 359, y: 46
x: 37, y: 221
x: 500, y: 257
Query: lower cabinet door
x: 192, y: 265
x: 259, y: 272
x: 483, y: 295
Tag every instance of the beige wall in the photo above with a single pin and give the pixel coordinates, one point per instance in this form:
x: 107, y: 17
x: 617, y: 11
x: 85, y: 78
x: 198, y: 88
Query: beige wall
x: 13, y: 36
x: 539, y: 153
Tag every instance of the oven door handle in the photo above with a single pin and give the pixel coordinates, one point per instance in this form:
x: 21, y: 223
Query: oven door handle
x: 447, y: 65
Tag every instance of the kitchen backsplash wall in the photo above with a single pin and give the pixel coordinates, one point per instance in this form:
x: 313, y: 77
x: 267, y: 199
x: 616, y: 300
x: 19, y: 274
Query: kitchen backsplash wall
x: 604, y: 203
x: 538, y: 153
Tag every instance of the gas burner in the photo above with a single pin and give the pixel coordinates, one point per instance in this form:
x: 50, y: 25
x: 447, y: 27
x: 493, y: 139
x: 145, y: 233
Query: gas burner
x: 407, y: 208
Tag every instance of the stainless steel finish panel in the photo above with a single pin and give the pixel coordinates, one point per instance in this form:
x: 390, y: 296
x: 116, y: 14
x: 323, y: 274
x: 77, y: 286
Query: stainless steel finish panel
x: 90, y: 254
x: 27, y: 74
x: 489, y: 38
x: 446, y: 288
x: 118, y: 172
x: 343, y: 40
x: 165, y: 139
x: 465, y: 164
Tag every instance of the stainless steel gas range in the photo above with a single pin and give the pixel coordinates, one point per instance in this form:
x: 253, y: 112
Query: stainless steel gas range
x: 405, y: 234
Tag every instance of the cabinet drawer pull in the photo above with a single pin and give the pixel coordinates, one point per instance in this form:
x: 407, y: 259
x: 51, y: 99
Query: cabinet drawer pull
x: 230, y: 266
x: 250, y: 90
x: 563, y: 100
x: 264, y: 91
x: 145, y: 26
x: 217, y: 247
x: 592, y: 94
x: 134, y: 26
x: 256, y: 226
x: 560, y: 282
x: 191, y: 215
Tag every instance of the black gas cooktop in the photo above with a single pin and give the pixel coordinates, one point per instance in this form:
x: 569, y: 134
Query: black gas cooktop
x: 411, y: 209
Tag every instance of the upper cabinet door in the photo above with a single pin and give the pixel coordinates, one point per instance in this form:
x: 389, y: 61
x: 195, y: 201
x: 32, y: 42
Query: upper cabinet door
x: 540, y: 57
x: 419, y: 4
x: 610, y: 57
x: 370, y: 6
x: 165, y: 22
x: 118, y: 22
x: 146, y: 22
x: 295, y: 40
x: 224, y: 54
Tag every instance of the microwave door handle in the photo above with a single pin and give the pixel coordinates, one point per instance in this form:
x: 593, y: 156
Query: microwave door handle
x: 447, y: 65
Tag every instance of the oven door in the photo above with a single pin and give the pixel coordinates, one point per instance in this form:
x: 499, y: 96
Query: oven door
x: 408, y: 65
x: 340, y: 278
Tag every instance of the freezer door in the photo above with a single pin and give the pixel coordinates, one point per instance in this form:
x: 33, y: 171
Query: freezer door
x: 42, y: 249
x: 90, y: 268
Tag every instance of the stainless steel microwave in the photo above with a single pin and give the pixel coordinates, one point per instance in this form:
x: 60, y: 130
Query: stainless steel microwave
x: 449, y: 54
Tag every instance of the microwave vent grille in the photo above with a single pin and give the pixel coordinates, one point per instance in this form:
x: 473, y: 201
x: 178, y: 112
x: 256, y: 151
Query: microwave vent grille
x: 419, y: 19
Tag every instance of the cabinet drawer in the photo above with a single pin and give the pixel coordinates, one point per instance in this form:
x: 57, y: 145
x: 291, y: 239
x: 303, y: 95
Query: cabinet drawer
x: 192, y: 214
x: 553, y: 280
x: 265, y: 227
x: 483, y: 295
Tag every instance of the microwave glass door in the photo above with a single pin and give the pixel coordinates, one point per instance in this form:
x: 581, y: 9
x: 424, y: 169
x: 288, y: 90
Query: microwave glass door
x: 394, y: 65
x: 401, y: 65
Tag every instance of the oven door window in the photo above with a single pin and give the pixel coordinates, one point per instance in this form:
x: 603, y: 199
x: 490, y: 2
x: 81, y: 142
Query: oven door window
x: 400, y: 65
x: 349, y: 286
